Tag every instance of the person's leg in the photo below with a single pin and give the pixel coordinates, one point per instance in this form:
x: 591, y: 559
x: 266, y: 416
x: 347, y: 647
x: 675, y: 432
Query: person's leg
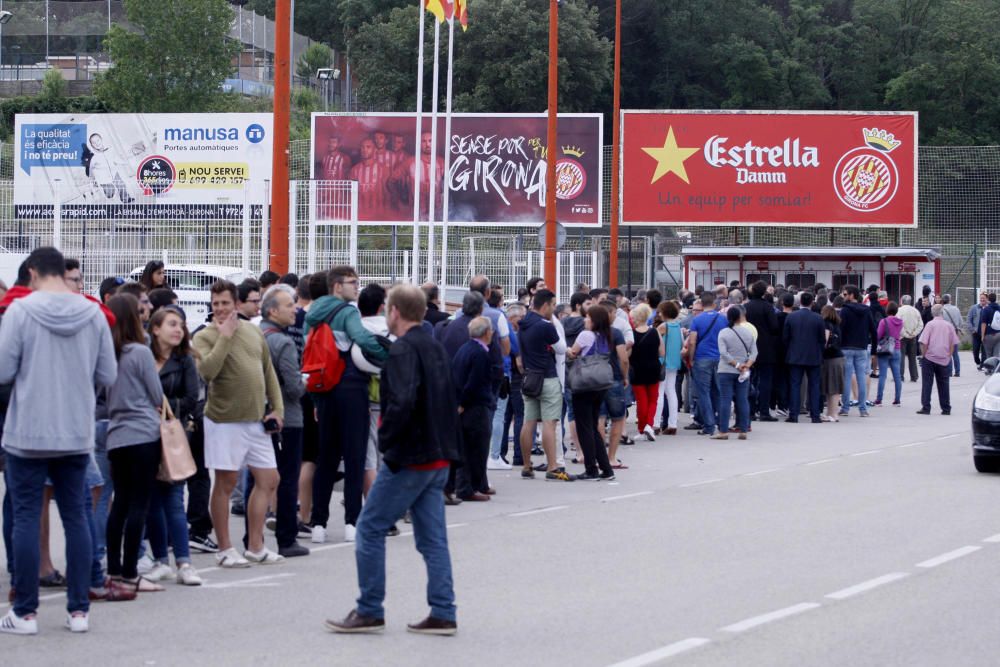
x: 289, y: 458
x: 883, y: 371
x: 862, y: 362
x: 329, y: 457
x: 497, y: 427
x: 813, y: 377
x: 371, y: 450
x: 895, y: 362
x: 726, y: 382
x: 714, y: 390
x: 156, y: 524
x: 143, y: 463
x: 307, y: 474
x: 481, y: 451
x: 549, y: 442
x: 103, y: 503
x: 177, y: 527
x: 927, y: 377
x: 977, y: 344
x: 703, y: 382
x: 672, y: 397
x: 956, y: 364
x: 68, y: 474
x: 586, y: 428
x: 352, y: 399
x: 225, y: 482
x: 430, y: 535
x: 601, y: 454
x: 764, y: 383
x: 845, y: 399
x: 517, y: 398
x: 795, y: 393
x: 27, y: 480
x: 532, y: 413
x: 392, y: 494
x: 943, y: 378
x: 265, y: 483
x: 45, y: 556
x: 123, y: 480
x: 741, y: 401
x: 96, y: 565
x: 8, y: 526
x: 462, y: 485
x: 199, y: 486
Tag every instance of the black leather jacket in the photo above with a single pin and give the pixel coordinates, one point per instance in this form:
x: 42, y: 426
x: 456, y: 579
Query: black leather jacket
x: 419, y: 403
x: 181, y: 386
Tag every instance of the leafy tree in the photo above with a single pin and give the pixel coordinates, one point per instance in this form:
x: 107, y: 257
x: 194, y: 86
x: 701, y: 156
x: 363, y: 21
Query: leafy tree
x: 316, y: 57
x: 54, y: 86
x: 177, y: 63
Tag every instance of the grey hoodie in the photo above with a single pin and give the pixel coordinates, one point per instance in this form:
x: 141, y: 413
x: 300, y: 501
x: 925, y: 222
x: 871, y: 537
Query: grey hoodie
x: 55, y: 347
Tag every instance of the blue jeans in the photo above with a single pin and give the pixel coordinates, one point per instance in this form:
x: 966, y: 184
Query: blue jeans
x: 886, y: 361
x: 956, y: 365
x: 732, y: 391
x: 855, y: 364
x: 705, y: 374
x: 166, y: 523
x: 104, y: 502
x: 96, y: 567
x: 27, y: 480
x: 497, y: 437
x: 8, y: 526
x: 421, y: 492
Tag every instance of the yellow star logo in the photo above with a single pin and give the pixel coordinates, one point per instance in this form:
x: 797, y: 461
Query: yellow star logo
x: 670, y: 158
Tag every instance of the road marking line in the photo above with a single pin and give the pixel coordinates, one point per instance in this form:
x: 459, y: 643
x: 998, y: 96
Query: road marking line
x: 951, y: 555
x: 50, y: 596
x: 870, y: 451
x: 457, y: 525
x: 611, y: 499
x: 554, y: 508
x: 761, y: 472
x: 820, y: 462
x: 339, y: 545
x: 662, y: 653
x: 912, y: 444
x: 707, y: 481
x: 749, y: 623
x: 867, y: 586
x: 242, y: 582
x: 993, y: 539
x: 945, y: 437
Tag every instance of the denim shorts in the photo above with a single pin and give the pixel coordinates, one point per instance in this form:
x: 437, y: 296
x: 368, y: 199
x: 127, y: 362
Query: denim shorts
x: 568, y: 405
x: 614, y: 402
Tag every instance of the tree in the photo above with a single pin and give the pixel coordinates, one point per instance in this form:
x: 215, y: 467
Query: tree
x: 316, y: 57
x: 54, y: 86
x: 177, y: 63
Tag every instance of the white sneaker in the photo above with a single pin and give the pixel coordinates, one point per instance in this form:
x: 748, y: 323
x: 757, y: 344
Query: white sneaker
x: 496, y: 464
x: 231, y: 558
x: 188, y: 576
x: 649, y: 433
x: 349, y: 532
x: 263, y: 557
x: 318, y: 535
x: 13, y: 624
x: 78, y: 622
x: 161, y: 572
x: 145, y: 564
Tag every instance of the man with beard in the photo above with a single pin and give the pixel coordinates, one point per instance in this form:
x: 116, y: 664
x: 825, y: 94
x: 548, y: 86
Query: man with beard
x: 371, y: 177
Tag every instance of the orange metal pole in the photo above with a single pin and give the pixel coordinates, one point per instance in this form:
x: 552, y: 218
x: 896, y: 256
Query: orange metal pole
x: 282, y: 114
x: 550, y: 172
x: 616, y: 149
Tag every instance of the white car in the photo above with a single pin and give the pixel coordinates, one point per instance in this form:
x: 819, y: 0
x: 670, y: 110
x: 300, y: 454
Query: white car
x: 191, y: 283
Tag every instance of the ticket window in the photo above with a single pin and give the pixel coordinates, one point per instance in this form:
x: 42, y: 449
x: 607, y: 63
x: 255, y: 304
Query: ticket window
x: 898, y: 285
x: 840, y: 280
x: 767, y: 278
x: 709, y: 279
x: 800, y: 279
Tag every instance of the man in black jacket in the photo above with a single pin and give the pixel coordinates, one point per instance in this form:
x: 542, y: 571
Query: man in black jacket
x: 418, y: 440
x: 761, y: 314
x: 434, y: 313
x: 858, y: 338
x: 471, y: 373
x: 804, y: 336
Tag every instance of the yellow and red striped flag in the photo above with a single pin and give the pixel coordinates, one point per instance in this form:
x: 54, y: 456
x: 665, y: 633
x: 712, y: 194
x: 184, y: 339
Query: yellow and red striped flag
x: 437, y: 8
x: 461, y: 8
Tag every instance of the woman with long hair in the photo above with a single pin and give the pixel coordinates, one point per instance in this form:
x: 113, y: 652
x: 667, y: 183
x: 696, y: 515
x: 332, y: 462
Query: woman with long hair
x: 596, y: 338
x: 673, y: 339
x: 890, y: 327
x: 832, y: 372
x: 737, y: 353
x: 644, y: 364
x: 167, y: 521
x: 133, y: 442
x: 154, y: 276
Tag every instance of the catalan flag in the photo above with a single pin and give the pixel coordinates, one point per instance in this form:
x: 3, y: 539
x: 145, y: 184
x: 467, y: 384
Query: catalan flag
x: 437, y: 8
x: 461, y: 8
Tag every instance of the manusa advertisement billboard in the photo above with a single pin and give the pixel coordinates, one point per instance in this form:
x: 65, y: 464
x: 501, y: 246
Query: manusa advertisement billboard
x: 769, y: 168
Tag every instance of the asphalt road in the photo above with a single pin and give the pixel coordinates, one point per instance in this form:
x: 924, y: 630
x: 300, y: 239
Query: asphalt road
x: 865, y: 542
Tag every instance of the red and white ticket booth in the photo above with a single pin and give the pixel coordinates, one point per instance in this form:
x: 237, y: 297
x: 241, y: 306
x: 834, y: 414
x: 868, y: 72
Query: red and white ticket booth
x: 898, y: 271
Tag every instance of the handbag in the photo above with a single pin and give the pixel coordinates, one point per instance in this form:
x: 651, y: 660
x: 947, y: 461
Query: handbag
x: 886, y: 346
x: 176, y: 464
x: 591, y: 372
x: 533, y: 383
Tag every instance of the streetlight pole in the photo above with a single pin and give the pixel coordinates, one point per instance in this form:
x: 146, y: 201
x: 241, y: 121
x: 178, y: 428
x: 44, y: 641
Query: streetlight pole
x: 282, y: 114
x: 551, y: 141
x: 616, y: 152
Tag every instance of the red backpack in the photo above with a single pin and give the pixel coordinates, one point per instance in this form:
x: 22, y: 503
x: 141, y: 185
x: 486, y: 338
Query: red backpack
x: 321, y: 360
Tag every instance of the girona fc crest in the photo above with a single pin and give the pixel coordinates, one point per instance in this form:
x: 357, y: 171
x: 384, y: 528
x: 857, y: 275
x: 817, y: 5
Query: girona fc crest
x: 571, y: 178
x: 866, y: 178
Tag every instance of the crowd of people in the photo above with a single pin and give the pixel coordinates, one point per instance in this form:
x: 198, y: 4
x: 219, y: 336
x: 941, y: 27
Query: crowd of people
x: 298, y: 382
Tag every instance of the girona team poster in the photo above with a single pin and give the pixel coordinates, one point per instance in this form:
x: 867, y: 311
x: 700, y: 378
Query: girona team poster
x: 787, y: 168
x: 496, y: 172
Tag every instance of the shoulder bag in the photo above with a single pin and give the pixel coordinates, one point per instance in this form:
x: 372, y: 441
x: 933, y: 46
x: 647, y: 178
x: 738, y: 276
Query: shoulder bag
x: 591, y: 372
x: 176, y: 464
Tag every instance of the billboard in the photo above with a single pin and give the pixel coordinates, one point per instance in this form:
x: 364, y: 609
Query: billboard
x: 497, y: 167
x: 769, y: 168
x: 99, y: 165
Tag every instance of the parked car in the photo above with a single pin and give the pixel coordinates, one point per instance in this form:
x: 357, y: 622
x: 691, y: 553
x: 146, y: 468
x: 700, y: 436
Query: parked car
x: 986, y: 420
x: 192, y: 282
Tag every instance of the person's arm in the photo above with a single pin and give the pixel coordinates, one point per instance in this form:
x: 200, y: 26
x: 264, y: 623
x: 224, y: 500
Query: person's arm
x: 662, y: 352
x: 356, y: 331
x: 880, y: 331
x: 623, y: 361
x: 187, y: 402
x: 271, y: 384
x: 10, y: 345
x: 503, y: 329
x: 690, y: 344
x: 288, y: 369
x: 212, y: 357
x: 106, y: 369
x: 753, y: 354
x: 724, y: 353
x: 556, y: 340
x: 141, y: 363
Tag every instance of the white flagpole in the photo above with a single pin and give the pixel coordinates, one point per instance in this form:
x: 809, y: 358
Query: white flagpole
x: 417, y: 157
x: 447, y: 158
x: 434, y: 126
